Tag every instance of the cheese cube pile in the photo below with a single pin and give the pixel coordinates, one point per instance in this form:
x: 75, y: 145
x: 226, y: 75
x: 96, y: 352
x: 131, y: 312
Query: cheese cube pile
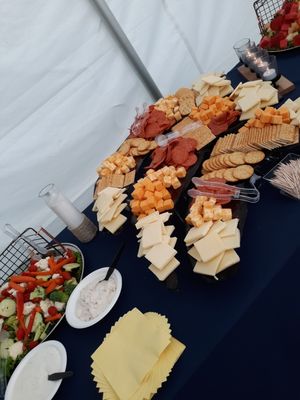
x: 213, y: 246
x: 157, y: 245
x: 109, y: 205
x: 252, y: 95
x: 150, y: 196
x: 170, y: 106
x: 211, y: 106
x: 205, y: 209
x: 213, y: 84
x: 117, y: 163
x: 168, y: 175
x: 267, y: 117
x: 294, y: 109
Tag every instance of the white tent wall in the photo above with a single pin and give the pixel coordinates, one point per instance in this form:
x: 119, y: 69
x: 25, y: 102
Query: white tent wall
x: 179, y: 39
x: 67, y: 97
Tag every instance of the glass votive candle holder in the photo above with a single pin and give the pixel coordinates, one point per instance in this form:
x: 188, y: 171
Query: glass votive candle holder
x: 240, y: 46
x: 272, y: 72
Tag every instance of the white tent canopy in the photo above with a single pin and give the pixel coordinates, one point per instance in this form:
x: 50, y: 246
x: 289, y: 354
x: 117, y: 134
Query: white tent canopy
x: 68, y: 92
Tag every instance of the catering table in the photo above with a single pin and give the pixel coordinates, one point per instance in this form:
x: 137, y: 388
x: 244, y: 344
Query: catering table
x: 242, y: 334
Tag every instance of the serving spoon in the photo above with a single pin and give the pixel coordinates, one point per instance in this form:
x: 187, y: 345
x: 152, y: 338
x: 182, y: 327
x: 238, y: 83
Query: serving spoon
x: 113, y: 264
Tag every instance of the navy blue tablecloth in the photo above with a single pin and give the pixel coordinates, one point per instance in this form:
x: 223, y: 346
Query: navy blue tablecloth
x: 241, y: 334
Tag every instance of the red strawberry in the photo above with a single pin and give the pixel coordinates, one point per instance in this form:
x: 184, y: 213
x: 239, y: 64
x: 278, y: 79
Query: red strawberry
x: 276, y: 23
x: 296, y: 40
x: 292, y: 16
x: 287, y: 6
x: 265, y: 42
x: 285, y: 27
x: 283, y: 44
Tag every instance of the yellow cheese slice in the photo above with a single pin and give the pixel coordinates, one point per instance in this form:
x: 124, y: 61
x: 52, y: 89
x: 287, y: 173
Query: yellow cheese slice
x: 120, y: 209
x: 250, y: 113
x: 130, y: 351
x: 217, y: 226
x: 265, y: 93
x: 194, y: 253
x: 152, y: 235
x: 109, y: 214
x: 246, y: 103
x: 274, y: 100
x: 147, y: 220
x: 210, y: 246
x: 248, y: 91
x: 195, y: 234
x: 229, y: 259
x: 160, y: 255
x: 115, y: 224
x: 210, y: 267
x: 162, y: 274
x: 230, y: 228
x: 232, y: 242
x: 106, y: 198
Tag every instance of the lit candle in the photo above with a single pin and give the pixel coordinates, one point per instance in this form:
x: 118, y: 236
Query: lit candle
x: 269, y: 74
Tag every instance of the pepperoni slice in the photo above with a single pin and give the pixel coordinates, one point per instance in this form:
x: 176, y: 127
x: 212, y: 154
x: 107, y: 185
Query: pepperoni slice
x: 179, y: 156
x: 192, y: 159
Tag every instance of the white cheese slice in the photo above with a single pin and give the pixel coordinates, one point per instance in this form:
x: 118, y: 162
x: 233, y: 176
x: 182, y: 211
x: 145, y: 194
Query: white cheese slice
x: 209, y: 267
x: 252, y: 83
x: 106, y: 198
x: 165, y: 239
x: 274, y: 100
x: 115, y: 224
x: 217, y: 227
x: 173, y: 242
x: 232, y: 242
x: 246, y: 103
x: 140, y: 234
x: 229, y: 259
x: 210, y: 246
x: 248, y: 91
x: 141, y: 251
x: 164, y: 217
x: 147, y: 220
x: 194, y: 253
x: 250, y: 113
x: 211, y: 79
x: 230, y: 228
x: 236, y: 90
x: 152, y: 235
x: 160, y: 255
x: 108, y: 215
x: 162, y: 274
x: 225, y: 91
x: 223, y: 82
x: 169, y: 229
x: 266, y: 93
x: 291, y: 105
x: 195, y: 234
x: 119, y: 209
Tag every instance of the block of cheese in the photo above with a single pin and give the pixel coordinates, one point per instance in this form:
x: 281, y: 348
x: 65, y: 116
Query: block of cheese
x: 195, y: 234
x: 229, y: 259
x: 160, y: 255
x: 232, y: 242
x: 115, y: 224
x: 194, y: 253
x: 152, y: 235
x: 217, y: 227
x: 230, y: 229
x: 162, y: 274
x: 210, y: 246
x: 209, y: 267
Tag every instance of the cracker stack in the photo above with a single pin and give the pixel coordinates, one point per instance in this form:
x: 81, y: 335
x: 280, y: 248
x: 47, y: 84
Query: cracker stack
x: 109, y: 206
x: 212, y: 84
x: 213, y: 246
x: 157, y: 245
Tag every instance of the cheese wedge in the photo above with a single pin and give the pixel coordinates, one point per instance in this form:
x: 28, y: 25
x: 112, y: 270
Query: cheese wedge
x: 210, y: 267
x: 232, y: 242
x: 162, y: 274
x: 210, y: 246
x: 160, y: 255
x: 230, y: 228
x: 115, y: 224
x: 229, y: 259
x: 195, y: 234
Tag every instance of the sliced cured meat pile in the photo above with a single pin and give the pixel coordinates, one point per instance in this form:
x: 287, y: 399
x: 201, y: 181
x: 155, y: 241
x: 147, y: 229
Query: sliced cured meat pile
x: 151, y: 123
x: 220, y: 123
x: 180, y: 152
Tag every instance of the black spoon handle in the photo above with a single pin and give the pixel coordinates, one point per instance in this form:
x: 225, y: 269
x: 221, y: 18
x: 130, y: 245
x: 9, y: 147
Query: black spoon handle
x: 114, y: 262
x: 60, y: 375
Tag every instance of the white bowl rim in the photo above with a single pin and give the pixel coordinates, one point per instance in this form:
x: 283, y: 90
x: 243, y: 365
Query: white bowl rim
x: 70, y: 310
x: 17, y: 372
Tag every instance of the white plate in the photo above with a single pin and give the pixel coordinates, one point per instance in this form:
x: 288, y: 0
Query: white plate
x: 95, y: 276
x: 22, y: 369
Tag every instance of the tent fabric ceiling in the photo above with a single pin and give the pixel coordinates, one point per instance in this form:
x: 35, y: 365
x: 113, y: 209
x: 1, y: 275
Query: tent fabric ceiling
x: 68, y: 93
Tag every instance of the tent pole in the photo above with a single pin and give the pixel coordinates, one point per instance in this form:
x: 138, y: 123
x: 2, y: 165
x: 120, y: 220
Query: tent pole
x: 127, y: 47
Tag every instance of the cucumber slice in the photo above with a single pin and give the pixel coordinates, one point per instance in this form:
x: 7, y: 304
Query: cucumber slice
x: 7, y: 307
x: 4, y: 346
x: 71, y: 266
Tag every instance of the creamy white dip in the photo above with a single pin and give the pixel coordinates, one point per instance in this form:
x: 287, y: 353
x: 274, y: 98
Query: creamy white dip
x: 33, y: 383
x: 94, y: 298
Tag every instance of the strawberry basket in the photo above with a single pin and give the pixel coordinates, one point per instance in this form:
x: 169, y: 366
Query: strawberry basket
x: 279, y: 24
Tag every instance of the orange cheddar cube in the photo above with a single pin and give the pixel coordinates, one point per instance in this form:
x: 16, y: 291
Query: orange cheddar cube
x: 158, y: 195
x: 277, y: 119
x: 149, y: 211
x: 151, y: 202
x: 160, y: 206
x: 168, y: 204
x: 266, y: 118
x: 158, y: 185
x: 138, y: 194
x: 144, y: 205
x: 149, y: 185
x: 258, y: 113
x: 258, y: 124
x: 148, y: 194
x: 166, y: 194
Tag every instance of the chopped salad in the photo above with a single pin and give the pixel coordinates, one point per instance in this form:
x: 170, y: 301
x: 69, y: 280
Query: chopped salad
x: 32, y: 302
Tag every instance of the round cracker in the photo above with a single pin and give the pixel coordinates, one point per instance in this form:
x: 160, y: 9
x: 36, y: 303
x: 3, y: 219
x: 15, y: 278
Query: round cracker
x: 153, y: 145
x: 243, y: 172
x: 227, y: 161
x: 206, y: 165
x: 254, y: 157
x: 143, y: 145
x: 213, y: 164
x: 136, y: 142
x: 220, y: 173
x: 134, y: 152
x: 228, y: 175
x: 237, y: 158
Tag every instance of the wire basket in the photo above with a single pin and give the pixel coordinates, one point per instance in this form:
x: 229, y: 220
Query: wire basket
x: 15, y: 258
x: 265, y: 11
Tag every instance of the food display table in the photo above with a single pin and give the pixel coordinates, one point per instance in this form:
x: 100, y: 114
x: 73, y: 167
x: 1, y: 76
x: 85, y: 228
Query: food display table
x: 241, y: 334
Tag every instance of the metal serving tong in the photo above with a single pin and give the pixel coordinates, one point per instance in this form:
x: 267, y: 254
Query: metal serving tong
x: 222, y: 191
